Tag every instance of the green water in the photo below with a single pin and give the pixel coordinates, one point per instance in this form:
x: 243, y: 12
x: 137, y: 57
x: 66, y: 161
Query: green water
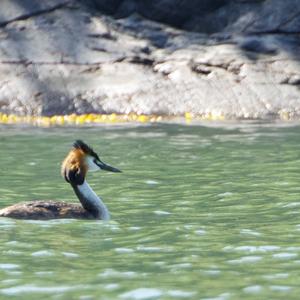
x: 198, y: 213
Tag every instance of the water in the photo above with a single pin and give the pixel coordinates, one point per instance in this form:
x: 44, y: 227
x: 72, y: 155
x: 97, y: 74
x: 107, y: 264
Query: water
x: 198, y: 213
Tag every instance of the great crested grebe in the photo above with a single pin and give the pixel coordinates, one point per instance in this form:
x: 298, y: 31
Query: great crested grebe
x: 78, y: 162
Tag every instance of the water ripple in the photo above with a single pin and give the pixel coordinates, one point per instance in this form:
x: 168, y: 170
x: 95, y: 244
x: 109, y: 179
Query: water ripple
x: 124, y: 250
x: 253, y: 289
x: 276, y: 276
x: 285, y: 255
x: 70, y: 254
x: 142, y: 294
x: 252, y: 249
x: 280, y: 288
x: 245, y: 260
x: 153, y: 293
x: 30, y: 288
x: 161, y: 213
x: 108, y: 273
x: 9, y: 266
x: 43, y: 253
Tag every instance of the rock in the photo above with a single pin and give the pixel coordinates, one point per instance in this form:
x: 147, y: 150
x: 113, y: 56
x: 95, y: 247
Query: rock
x: 22, y: 9
x: 257, y: 45
x: 206, y: 16
x: 241, y: 60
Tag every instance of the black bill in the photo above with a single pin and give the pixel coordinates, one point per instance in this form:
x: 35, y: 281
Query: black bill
x: 106, y: 167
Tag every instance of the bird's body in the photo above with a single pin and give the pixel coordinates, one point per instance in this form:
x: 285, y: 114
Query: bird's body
x: 45, y: 210
x: 78, y: 162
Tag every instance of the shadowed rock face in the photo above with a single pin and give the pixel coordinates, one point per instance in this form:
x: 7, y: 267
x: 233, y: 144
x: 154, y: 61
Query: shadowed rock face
x: 206, y: 16
x: 176, y: 13
x: 238, y: 58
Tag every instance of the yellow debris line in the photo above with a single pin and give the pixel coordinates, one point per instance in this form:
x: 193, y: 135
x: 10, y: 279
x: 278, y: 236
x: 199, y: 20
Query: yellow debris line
x: 189, y: 117
x: 73, y: 119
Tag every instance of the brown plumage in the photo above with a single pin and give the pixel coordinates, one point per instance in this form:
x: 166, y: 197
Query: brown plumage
x: 45, y: 210
x: 75, y: 162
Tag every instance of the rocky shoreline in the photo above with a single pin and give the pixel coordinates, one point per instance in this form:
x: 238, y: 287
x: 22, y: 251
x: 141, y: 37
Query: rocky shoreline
x: 61, y: 57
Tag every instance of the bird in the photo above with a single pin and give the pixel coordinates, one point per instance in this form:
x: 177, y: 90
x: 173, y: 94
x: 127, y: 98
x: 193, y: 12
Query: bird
x: 81, y: 159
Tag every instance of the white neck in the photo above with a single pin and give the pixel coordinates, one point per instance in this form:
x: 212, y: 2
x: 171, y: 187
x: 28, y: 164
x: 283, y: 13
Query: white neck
x: 91, y: 201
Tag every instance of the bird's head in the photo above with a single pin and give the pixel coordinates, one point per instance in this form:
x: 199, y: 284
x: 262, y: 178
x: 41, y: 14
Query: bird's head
x: 81, y: 159
x: 91, y: 158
